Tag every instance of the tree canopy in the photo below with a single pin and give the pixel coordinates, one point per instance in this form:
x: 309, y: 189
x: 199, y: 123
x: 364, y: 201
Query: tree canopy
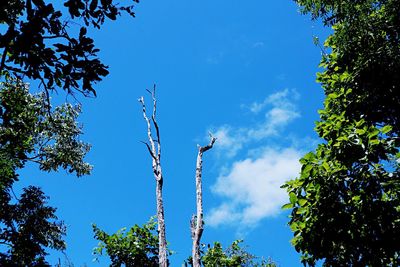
x: 233, y: 256
x: 136, y: 247
x: 345, y: 204
x: 365, y: 56
x: 28, y: 133
x: 38, y: 43
x: 28, y: 228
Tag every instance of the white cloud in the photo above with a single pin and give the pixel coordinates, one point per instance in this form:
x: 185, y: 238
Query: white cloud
x: 225, y: 213
x: 281, y: 112
x: 228, y: 142
x: 275, y: 120
x: 283, y: 98
x: 251, y: 189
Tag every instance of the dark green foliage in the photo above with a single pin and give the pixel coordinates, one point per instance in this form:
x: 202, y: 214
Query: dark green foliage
x: 233, y: 256
x: 137, y: 247
x: 346, y: 204
x: 29, y: 133
x: 96, y: 12
x: 366, y: 48
x: 27, y: 229
x: 37, y: 43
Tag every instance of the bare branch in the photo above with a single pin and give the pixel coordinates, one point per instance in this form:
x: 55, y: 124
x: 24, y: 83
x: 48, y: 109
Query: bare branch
x: 3, y: 58
x: 153, y: 95
x: 12, y: 190
x: 46, y: 90
x: 149, y: 135
x: 156, y: 164
x: 210, y: 145
x: 153, y: 118
x: 149, y: 149
x: 197, y: 223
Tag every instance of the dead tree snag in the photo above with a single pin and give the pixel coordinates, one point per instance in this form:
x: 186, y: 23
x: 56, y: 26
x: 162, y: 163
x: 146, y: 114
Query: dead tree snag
x: 197, y: 223
x: 154, y: 148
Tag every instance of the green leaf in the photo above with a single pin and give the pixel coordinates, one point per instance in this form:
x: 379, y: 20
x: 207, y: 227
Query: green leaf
x: 385, y: 129
x: 287, y: 206
x: 306, y: 170
x: 360, y: 131
x: 292, y: 198
x: 302, y: 201
x: 374, y: 142
x: 326, y: 166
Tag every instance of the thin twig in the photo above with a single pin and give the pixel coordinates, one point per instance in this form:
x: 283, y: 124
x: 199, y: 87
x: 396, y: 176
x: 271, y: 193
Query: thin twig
x: 149, y: 149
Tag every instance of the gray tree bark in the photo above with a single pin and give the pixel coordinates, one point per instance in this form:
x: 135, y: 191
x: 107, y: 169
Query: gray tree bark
x: 154, y: 148
x: 197, y: 223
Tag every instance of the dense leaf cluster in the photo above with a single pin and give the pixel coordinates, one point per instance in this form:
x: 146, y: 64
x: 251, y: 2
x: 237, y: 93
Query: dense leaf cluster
x: 366, y: 49
x: 233, y: 256
x: 28, y: 228
x: 136, y: 247
x: 37, y: 44
x: 29, y: 133
x: 346, y: 203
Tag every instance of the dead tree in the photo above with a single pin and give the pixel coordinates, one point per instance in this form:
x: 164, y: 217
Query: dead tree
x: 154, y: 148
x: 197, y: 223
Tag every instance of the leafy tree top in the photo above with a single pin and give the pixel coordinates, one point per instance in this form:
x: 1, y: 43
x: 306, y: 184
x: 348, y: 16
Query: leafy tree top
x: 233, y: 256
x: 345, y: 206
x: 29, y: 133
x: 365, y: 56
x: 136, y: 247
x: 28, y: 228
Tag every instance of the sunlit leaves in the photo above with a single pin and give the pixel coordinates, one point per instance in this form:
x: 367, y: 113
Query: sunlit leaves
x: 233, y: 256
x: 29, y: 132
x: 136, y: 247
x: 345, y: 203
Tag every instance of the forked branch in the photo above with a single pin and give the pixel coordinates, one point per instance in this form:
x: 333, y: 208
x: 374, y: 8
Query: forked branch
x: 197, y: 223
x: 155, y: 153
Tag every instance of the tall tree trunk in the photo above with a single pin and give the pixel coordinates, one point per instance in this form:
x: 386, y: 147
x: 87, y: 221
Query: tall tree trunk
x: 162, y: 245
x: 197, y: 223
x: 155, y: 153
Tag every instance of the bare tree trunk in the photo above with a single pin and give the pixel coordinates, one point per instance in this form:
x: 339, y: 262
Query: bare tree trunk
x: 155, y: 153
x: 197, y: 223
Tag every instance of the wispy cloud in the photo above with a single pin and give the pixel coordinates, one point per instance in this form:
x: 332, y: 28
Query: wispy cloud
x: 275, y: 120
x: 283, y: 98
x: 249, y: 186
x: 230, y: 140
x: 278, y: 109
x: 258, y: 44
x: 238, y: 48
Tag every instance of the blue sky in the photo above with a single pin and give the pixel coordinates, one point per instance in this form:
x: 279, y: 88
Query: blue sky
x: 244, y: 71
